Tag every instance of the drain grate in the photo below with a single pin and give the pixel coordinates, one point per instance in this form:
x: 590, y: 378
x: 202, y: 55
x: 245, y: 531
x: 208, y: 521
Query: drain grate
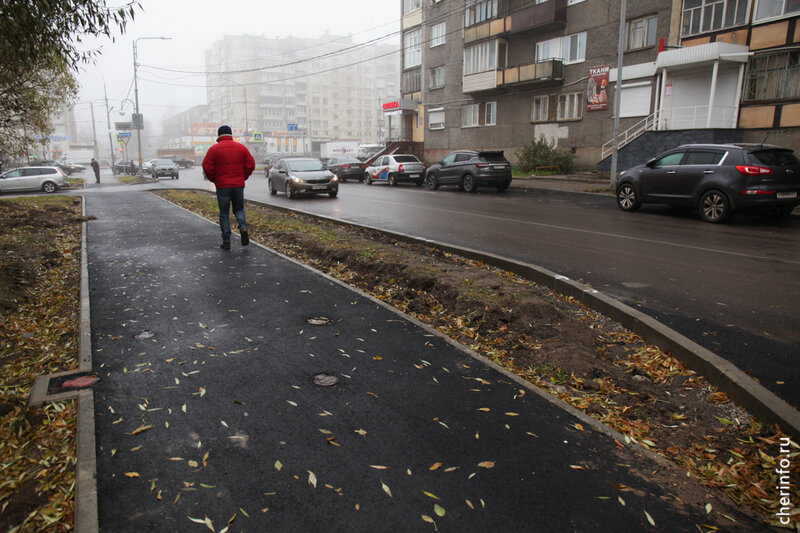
x: 325, y: 380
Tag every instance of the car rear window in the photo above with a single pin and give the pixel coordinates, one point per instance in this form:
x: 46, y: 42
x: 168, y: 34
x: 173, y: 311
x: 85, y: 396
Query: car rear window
x: 775, y: 157
x: 495, y: 157
x: 406, y: 159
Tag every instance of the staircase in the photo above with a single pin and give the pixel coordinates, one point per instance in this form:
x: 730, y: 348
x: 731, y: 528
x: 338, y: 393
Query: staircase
x: 646, y: 124
x: 398, y: 147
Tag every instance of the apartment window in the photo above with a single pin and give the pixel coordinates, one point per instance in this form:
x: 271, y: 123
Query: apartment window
x: 773, y: 76
x: 436, y: 119
x: 710, y: 15
x: 438, y: 34
x: 490, y: 114
x: 478, y: 11
x: 412, y: 47
x: 436, y: 78
x: 539, y: 111
x: 641, y: 33
x: 569, y: 49
x: 570, y: 106
x: 470, y: 115
x: 411, y: 5
x: 485, y: 56
x: 775, y: 8
x: 412, y: 80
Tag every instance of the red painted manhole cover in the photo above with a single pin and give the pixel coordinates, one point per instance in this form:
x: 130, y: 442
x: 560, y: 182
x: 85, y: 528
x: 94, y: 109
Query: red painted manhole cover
x: 77, y: 383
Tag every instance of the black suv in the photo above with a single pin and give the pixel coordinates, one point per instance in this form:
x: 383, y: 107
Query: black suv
x: 180, y: 161
x: 717, y: 179
x: 67, y: 169
x: 470, y: 169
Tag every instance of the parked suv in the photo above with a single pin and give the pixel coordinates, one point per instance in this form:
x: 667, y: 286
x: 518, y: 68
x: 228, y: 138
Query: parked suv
x: 46, y: 179
x: 346, y: 167
x: 470, y: 169
x: 180, y: 161
x: 716, y: 179
x: 66, y: 169
x: 395, y: 168
x: 124, y: 167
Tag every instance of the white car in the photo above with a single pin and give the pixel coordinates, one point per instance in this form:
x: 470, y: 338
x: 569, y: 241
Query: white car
x: 46, y: 179
x: 394, y: 168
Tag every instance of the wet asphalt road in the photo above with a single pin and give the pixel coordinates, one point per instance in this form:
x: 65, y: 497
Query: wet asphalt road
x: 207, y: 409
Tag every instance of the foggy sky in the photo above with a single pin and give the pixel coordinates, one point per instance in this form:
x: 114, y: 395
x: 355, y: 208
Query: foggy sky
x: 193, y: 26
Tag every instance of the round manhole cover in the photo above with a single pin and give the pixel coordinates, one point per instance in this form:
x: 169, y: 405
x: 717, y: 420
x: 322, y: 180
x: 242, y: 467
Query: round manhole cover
x: 145, y: 335
x: 319, y: 321
x: 325, y: 380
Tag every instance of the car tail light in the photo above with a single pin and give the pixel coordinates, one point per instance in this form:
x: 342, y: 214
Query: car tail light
x: 752, y: 170
x: 482, y: 165
x: 344, y: 166
x: 756, y: 192
x: 400, y: 167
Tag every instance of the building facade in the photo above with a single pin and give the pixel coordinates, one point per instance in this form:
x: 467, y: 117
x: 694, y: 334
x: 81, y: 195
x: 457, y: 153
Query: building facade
x: 301, y: 92
x: 496, y: 74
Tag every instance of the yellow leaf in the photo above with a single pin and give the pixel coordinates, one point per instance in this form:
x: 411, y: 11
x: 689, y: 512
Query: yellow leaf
x: 431, y: 495
x: 132, y: 474
x: 576, y: 467
x: 484, y: 409
x: 439, y: 510
x: 193, y: 464
x: 386, y: 489
x: 428, y: 519
x: 579, y: 427
x: 278, y: 466
x: 649, y: 518
x: 435, y: 466
x: 512, y: 414
x: 140, y: 429
x: 379, y: 467
x: 360, y: 432
x: 486, y: 464
x: 312, y: 479
x: 470, y: 505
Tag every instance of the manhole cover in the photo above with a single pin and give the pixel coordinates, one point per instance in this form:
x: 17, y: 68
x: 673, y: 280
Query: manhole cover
x: 325, y: 380
x: 319, y: 321
x: 145, y: 335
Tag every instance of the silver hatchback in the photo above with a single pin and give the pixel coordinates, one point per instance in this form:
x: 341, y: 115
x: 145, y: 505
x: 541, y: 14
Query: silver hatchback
x: 46, y: 179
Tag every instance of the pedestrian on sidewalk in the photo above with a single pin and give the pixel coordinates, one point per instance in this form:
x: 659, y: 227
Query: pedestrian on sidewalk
x: 96, y: 168
x: 227, y: 165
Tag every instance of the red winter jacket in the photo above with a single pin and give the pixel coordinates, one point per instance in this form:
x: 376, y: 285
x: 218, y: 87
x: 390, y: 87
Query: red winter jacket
x: 228, y: 163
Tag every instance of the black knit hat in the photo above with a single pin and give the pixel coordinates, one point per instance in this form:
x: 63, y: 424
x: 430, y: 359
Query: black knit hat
x: 224, y: 130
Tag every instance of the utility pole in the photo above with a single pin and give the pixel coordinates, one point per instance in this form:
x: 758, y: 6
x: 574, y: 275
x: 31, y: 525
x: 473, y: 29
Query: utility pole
x: 618, y: 95
x: 108, y: 123
x: 94, y: 131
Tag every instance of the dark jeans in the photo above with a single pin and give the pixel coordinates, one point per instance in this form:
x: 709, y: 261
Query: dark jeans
x: 224, y: 199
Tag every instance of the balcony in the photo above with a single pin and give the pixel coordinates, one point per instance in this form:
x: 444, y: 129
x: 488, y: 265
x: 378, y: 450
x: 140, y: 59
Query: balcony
x: 543, y: 73
x: 550, y: 15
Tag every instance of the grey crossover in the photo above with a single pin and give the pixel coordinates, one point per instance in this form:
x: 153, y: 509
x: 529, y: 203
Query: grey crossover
x: 716, y: 179
x: 470, y: 169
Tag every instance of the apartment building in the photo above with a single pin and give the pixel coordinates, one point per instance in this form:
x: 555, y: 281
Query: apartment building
x: 297, y: 90
x: 499, y: 73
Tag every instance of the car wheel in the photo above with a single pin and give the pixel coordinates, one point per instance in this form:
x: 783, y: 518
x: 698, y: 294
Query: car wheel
x: 272, y: 189
x: 502, y: 187
x: 392, y: 180
x: 714, y: 207
x: 627, y: 199
x: 49, y: 186
x: 468, y: 183
x: 289, y: 190
x: 369, y: 179
x: 432, y: 181
x: 333, y: 194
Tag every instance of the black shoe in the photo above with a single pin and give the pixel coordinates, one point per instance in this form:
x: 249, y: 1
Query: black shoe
x: 225, y: 245
x: 245, y: 237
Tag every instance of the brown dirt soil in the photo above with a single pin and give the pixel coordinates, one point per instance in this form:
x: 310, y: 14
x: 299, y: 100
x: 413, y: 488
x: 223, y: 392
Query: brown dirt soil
x: 39, y: 308
x: 580, y: 356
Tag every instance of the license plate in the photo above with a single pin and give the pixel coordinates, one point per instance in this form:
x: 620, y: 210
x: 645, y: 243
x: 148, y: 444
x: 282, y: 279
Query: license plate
x: 790, y: 194
x: 413, y: 175
x: 319, y: 187
x: 499, y: 167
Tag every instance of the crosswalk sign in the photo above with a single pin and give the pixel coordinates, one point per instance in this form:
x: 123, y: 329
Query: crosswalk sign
x: 258, y: 137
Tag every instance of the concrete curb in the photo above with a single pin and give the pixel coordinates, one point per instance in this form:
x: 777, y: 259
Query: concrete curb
x: 724, y: 375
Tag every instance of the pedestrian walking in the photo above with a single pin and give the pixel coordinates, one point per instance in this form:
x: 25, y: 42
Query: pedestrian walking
x: 227, y: 165
x: 96, y: 168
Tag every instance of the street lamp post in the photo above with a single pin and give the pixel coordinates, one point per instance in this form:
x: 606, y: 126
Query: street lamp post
x: 138, y: 123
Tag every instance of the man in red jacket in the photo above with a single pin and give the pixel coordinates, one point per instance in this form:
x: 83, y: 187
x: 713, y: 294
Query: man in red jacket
x: 227, y: 165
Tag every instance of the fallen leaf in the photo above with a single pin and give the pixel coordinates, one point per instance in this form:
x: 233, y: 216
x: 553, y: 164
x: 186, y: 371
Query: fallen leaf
x: 435, y: 466
x: 360, y: 432
x: 132, y: 474
x: 649, y: 518
x: 278, y: 466
x: 141, y: 429
x: 379, y: 467
x: 386, y: 489
x: 439, y: 510
x: 431, y: 495
x: 576, y: 467
x: 486, y: 464
x: 312, y: 479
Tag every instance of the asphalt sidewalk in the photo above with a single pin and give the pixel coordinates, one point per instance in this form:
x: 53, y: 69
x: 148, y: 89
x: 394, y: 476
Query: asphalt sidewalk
x: 207, y: 406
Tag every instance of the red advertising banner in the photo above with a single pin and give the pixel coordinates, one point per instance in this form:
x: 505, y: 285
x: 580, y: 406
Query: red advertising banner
x: 596, y: 92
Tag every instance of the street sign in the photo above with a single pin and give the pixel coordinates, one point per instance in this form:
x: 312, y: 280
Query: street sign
x: 137, y: 120
x: 123, y: 126
x: 258, y: 137
x: 291, y: 127
x: 123, y: 137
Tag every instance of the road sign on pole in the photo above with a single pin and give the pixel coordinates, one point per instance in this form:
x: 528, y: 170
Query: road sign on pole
x: 291, y: 127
